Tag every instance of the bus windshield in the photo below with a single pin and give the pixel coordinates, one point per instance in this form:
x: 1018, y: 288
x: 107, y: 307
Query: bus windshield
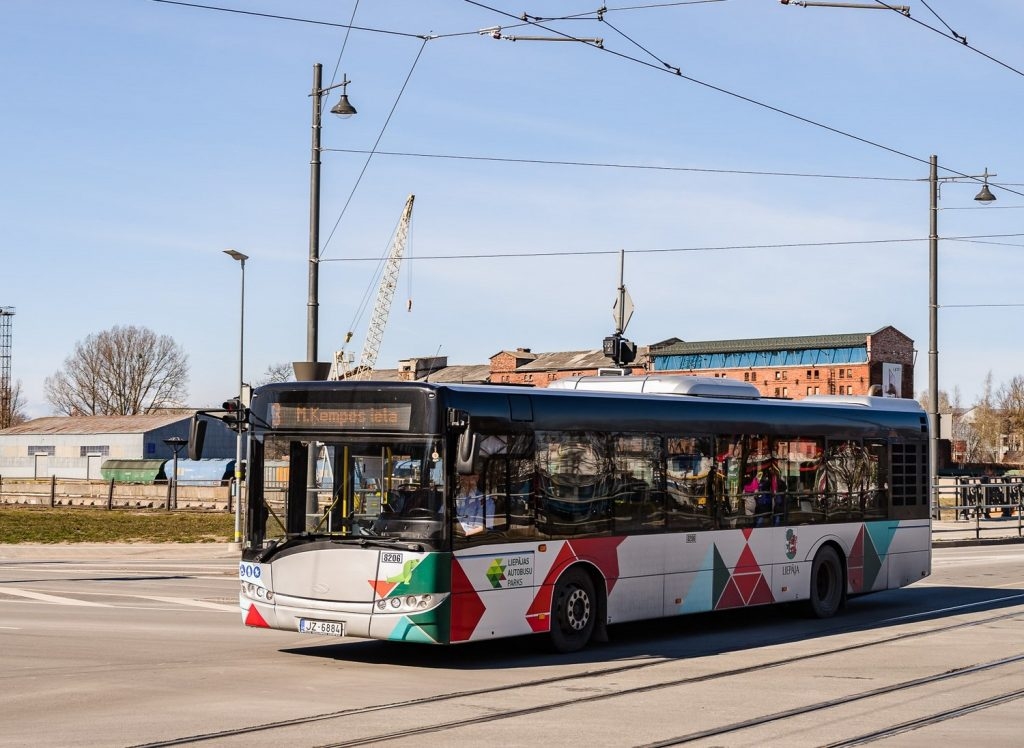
x: 384, y: 488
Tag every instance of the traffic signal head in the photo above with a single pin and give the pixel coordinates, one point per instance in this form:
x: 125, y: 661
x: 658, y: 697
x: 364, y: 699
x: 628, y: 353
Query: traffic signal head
x: 234, y: 412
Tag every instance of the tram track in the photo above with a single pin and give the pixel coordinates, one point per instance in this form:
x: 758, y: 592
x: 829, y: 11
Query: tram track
x: 590, y: 676
x: 809, y: 709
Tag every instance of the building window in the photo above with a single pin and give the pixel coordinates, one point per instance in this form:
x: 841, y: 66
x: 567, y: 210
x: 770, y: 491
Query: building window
x: 816, y: 373
x: 103, y: 451
x: 776, y: 392
x: 746, y: 376
x: 785, y: 375
x: 842, y: 373
x: 808, y: 373
x: 49, y: 450
x: 778, y: 375
x: 816, y: 389
x: 785, y: 391
x: 808, y: 390
x: 849, y: 389
x: 849, y: 373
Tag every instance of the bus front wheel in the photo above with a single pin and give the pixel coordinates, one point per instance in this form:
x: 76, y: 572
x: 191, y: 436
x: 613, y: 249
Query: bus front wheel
x: 573, y: 611
x: 827, y: 593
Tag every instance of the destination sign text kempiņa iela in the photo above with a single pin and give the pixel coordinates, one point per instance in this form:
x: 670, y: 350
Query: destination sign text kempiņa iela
x: 376, y: 417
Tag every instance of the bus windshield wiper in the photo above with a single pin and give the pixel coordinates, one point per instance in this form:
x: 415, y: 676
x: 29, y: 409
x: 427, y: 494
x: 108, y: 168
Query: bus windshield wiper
x: 364, y: 541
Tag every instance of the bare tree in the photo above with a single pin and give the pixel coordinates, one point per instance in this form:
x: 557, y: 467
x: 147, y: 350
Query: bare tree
x: 12, y: 406
x: 986, y: 426
x: 1010, y: 399
x: 122, y: 371
x: 276, y: 373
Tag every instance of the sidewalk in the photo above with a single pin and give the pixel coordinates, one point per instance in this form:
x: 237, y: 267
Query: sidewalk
x: 976, y: 532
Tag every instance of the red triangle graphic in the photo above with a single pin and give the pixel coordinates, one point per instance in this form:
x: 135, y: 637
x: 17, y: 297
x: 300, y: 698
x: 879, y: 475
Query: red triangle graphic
x: 730, y: 598
x: 746, y: 532
x: 762, y: 593
x: 855, y: 564
x: 746, y: 583
x: 747, y: 563
x: 467, y: 607
x: 381, y: 586
x: 604, y: 552
x: 253, y: 618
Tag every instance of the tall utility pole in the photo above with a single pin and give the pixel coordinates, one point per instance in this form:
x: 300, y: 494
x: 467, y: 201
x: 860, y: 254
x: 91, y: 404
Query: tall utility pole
x: 311, y: 368
x: 984, y: 197
x: 6, y: 394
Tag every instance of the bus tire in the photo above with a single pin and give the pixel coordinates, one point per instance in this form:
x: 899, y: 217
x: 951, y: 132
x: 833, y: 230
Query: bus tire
x: 573, y: 611
x: 827, y: 588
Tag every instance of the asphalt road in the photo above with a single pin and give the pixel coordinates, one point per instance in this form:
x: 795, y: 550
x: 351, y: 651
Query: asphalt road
x: 144, y: 645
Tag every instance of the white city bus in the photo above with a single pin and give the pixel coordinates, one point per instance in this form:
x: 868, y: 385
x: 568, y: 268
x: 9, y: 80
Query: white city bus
x: 605, y: 500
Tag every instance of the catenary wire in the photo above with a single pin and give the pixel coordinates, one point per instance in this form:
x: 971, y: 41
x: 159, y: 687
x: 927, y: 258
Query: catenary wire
x: 962, y: 40
x: 369, y: 156
x: 655, y: 250
x: 612, y: 165
x: 294, y: 19
x: 748, y: 99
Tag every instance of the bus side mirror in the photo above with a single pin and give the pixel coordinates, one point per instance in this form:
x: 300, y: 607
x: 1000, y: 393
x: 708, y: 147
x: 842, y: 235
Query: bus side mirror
x: 465, y: 453
x: 196, y: 435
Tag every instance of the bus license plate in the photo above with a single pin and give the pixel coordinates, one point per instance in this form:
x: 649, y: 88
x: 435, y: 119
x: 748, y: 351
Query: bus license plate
x: 323, y: 628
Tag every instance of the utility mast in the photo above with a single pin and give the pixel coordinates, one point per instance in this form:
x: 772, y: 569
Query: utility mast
x: 6, y: 393
x: 382, y: 306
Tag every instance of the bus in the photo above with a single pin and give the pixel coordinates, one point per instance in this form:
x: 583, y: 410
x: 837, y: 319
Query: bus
x: 606, y: 500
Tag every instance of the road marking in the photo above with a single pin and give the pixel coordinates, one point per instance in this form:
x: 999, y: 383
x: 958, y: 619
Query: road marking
x: 14, y: 591
x: 188, y: 601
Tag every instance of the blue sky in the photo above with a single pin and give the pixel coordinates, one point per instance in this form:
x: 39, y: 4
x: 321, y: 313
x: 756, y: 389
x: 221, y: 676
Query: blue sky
x: 143, y: 138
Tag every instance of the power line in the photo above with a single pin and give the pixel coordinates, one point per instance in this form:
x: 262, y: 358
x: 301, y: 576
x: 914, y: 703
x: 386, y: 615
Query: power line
x: 953, y: 36
x: 612, y: 165
x: 656, y: 250
x: 293, y: 19
x: 376, y: 143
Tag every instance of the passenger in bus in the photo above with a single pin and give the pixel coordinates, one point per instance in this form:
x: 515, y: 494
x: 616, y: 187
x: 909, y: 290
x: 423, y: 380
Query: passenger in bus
x: 714, y: 490
x: 473, y: 510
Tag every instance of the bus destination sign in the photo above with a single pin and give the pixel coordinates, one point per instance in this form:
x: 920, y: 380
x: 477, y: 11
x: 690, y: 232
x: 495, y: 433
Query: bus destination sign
x: 356, y: 416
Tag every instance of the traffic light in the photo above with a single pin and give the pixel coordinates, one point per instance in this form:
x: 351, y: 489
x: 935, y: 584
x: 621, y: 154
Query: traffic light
x: 235, y: 413
x: 619, y: 349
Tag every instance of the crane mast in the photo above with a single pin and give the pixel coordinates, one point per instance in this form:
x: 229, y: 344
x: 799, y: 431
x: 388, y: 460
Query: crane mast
x: 385, y: 295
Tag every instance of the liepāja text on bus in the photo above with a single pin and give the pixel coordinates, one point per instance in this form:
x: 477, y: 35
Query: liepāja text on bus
x: 450, y: 513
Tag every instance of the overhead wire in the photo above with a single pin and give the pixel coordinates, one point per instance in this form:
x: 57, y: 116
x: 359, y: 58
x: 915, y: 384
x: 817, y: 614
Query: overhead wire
x: 960, y: 39
x: 657, y: 250
x: 665, y: 68
x: 612, y: 165
x: 277, y: 17
x: 380, y: 135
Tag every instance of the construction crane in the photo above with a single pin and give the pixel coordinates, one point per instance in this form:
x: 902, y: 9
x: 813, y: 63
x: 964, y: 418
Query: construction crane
x: 381, y: 307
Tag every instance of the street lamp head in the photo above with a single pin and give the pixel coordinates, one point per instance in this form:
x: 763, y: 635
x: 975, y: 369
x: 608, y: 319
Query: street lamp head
x: 234, y: 254
x: 985, y: 196
x: 343, y: 108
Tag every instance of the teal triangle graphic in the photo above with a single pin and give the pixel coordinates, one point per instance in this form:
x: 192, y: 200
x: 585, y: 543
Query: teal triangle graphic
x: 699, y: 597
x: 881, y: 535
x: 407, y: 631
x: 721, y: 575
x: 872, y: 563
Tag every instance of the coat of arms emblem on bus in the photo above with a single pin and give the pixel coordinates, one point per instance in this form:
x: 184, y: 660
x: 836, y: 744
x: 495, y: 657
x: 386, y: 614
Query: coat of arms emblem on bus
x: 790, y: 545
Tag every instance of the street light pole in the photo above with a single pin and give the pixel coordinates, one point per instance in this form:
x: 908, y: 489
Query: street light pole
x: 984, y: 196
x: 312, y: 368
x: 241, y: 258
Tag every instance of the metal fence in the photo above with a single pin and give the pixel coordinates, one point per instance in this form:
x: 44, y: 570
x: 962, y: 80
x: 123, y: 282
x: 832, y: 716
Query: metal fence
x: 986, y: 504
x: 112, y: 494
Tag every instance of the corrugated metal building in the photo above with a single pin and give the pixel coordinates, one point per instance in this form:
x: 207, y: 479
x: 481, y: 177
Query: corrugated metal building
x: 76, y: 446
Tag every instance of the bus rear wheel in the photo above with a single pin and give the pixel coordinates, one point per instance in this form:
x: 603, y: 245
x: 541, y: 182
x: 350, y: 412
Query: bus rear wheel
x: 574, y: 611
x: 827, y: 593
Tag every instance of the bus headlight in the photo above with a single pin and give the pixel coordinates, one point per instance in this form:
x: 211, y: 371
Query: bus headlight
x: 255, y: 592
x: 407, y: 603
